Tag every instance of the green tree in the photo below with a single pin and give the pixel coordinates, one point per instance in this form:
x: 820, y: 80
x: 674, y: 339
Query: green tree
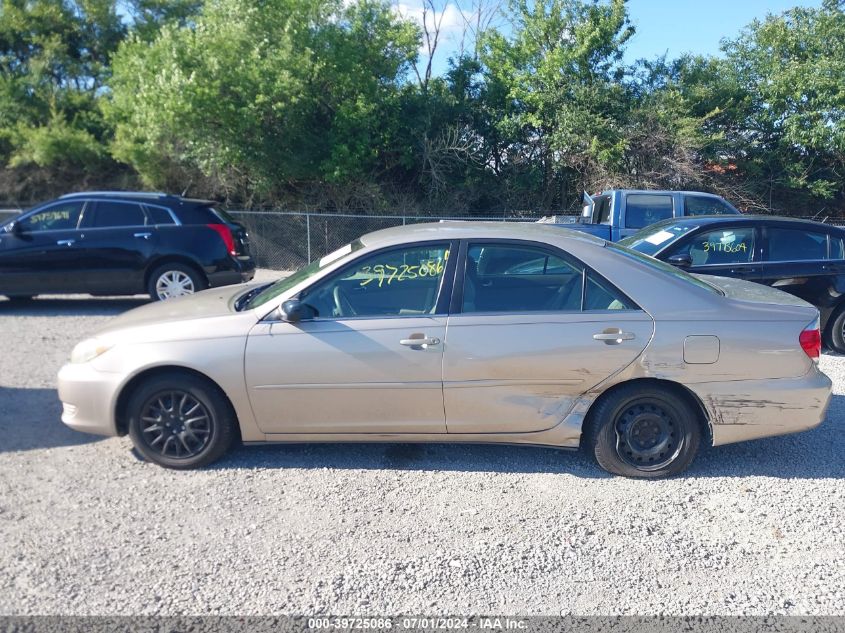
x: 262, y: 99
x: 54, y: 57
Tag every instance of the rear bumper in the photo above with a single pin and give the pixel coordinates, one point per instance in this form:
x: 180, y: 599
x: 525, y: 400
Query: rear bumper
x: 242, y: 270
x: 751, y: 409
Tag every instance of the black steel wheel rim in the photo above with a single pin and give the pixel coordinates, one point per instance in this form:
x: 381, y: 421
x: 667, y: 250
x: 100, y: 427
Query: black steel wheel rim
x: 176, y: 425
x: 648, y: 436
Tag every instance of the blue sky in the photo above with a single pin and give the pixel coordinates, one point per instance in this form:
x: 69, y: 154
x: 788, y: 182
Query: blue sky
x: 695, y: 26
x: 663, y: 26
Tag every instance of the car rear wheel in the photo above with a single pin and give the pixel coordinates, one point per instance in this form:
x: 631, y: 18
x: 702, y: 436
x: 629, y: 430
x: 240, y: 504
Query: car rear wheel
x: 644, y: 432
x: 180, y: 421
x: 174, y: 280
x: 836, y: 336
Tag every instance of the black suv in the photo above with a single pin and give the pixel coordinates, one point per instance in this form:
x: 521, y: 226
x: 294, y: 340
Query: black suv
x: 122, y: 243
x: 801, y: 257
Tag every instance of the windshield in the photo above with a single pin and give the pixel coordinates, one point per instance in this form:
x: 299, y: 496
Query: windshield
x: 286, y: 283
x: 664, y: 267
x: 657, y: 236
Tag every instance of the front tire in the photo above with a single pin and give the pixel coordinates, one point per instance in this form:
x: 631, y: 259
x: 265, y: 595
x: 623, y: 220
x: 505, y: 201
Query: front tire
x: 180, y: 421
x: 174, y: 280
x: 643, y: 432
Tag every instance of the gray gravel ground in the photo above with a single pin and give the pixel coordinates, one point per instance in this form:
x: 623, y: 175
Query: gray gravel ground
x: 87, y: 528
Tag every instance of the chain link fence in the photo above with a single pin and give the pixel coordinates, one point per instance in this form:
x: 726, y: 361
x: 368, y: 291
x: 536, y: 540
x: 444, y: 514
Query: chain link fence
x: 289, y: 240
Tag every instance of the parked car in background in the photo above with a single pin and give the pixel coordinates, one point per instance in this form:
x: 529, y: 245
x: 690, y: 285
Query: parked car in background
x: 801, y: 257
x: 122, y: 243
x: 618, y: 213
x: 459, y: 332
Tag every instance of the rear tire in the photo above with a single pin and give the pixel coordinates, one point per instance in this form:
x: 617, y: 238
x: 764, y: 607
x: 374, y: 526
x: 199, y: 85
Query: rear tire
x: 644, y: 432
x: 169, y: 281
x: 836, y: 329
x: 180, y: 421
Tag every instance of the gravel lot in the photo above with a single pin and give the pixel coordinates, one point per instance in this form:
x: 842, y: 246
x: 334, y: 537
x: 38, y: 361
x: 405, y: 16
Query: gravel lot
x: 87, y: 528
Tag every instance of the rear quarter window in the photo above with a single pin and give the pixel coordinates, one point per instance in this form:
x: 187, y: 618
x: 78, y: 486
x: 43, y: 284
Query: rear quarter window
x: 197, y: 215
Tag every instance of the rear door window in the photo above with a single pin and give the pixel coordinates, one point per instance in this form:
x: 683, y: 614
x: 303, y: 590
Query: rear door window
x: 515, y: 278
x: 642, y: 209
x: 705, y: 205
x: 794, y: 245
x: 115, y: 214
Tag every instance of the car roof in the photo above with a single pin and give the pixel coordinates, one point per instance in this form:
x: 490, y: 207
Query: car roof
x: 661, y: 192
x: 137, y: 196
x: 458, y: 229
x: 704, y: 220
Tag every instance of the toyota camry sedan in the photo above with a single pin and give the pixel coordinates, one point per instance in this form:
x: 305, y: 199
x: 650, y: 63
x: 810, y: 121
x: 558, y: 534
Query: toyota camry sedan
x: 459, y: 332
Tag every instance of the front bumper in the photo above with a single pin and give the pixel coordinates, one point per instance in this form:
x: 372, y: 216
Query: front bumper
x: 750, y: 409
x: 89, y: 398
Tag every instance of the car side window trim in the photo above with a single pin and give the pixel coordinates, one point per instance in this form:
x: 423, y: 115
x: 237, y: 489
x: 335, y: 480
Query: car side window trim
x: 444, y: 291
x: 456, y: 304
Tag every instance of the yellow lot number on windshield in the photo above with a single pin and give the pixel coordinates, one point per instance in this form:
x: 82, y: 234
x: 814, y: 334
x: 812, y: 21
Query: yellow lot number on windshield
x: 387, y: 273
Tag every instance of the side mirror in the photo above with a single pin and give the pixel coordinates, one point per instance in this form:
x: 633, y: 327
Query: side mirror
x: 683, y: 260
x: 16, y: 228
x: 294, y: 311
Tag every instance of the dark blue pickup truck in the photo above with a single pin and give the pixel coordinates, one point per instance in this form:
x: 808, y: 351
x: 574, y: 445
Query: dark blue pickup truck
x: 618, y: 213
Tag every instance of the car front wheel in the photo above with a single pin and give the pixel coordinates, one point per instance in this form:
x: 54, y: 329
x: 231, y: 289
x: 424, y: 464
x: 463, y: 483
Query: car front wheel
x: 180, y: 421
x: 643, y: 432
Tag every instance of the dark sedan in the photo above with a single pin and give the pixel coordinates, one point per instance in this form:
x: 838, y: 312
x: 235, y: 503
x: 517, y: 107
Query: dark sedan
x: 121, y: 243
x: 801, y: 257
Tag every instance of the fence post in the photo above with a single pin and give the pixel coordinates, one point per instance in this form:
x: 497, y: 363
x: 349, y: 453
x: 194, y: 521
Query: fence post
x: 308, y: 234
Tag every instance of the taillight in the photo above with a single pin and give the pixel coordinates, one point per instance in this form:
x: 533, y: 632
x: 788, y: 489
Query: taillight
x: 811, y: 340
x: 226, y: 233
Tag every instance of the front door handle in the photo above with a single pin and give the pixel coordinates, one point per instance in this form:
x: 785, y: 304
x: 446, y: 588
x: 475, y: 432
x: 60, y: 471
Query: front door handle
x: 65, y: 242
x: 146, y: 236
x: 612, y: 336
x: 419, y: 342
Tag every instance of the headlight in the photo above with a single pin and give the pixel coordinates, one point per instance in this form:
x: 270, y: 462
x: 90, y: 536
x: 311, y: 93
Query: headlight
x: 88, y: 350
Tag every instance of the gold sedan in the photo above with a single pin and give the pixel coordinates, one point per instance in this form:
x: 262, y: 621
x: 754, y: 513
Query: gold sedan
x: 459, y: 332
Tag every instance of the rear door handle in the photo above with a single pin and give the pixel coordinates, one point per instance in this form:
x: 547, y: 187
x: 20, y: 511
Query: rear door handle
x: 744, y: 269
x: 65, y: 242
x: 614, y: 337
x: 146, y: 236
x: 419, y: 343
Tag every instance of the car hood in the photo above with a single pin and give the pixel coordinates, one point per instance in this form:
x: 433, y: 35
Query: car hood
x: 216, y: 302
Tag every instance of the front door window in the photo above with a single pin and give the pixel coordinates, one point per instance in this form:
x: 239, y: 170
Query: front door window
x: 403, y: 281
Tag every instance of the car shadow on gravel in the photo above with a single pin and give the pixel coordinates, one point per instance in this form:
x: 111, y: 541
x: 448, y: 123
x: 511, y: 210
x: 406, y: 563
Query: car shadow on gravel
x: 815, y: 454
x: 31, y: 419
x: 71, y: 306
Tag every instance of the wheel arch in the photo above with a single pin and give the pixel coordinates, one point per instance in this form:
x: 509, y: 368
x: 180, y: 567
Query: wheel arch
x: 120, y: 417
x: 703, y: 418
